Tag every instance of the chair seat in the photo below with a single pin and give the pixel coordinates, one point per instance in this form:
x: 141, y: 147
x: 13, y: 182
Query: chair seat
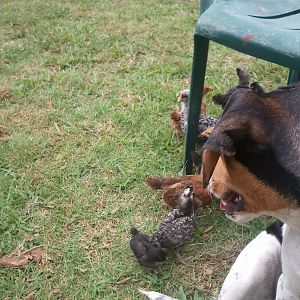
x: 267, y: 29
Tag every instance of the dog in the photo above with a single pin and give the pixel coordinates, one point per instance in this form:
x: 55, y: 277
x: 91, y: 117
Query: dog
x: 251, y: 163
x: 255, y: 273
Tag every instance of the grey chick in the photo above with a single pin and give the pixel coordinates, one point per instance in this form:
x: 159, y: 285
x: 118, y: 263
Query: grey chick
x: 146, y: 253
x: 205, y: 120
x: 178, y: 225
x: 243, y: 76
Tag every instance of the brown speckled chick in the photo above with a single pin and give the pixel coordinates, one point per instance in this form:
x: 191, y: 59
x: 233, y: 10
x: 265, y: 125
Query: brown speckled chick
x: 181, y: 111
x: 178, y: 225
x: 173, y: 188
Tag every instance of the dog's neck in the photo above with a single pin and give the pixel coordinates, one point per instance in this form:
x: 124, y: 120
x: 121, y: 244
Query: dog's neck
x: 288, y: 287
x: 291, y: 217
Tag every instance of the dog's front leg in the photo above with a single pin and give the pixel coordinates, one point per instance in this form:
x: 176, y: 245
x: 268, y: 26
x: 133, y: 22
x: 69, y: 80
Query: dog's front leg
x: 255, y: 273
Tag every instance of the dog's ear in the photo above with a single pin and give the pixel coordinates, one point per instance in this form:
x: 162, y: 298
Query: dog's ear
x: 220, y: 141
x: 210, y: 159
x: 250, y: 135
x: 238, y: 131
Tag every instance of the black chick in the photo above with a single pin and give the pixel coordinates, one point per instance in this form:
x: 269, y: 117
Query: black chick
x: 178, y: 225
x: 243, y: 76
x: 146, y: 253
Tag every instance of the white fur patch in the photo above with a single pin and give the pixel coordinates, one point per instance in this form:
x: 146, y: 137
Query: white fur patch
x: 289, y: 283
x: 242, y: 217
x: 257, y: 255
x: 255, y: 272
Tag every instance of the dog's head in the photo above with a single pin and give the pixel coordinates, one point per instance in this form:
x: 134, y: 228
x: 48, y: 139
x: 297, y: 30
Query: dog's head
x: 248, y: 158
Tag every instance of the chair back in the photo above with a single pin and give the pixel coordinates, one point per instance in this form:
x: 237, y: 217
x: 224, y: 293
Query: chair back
x: 204, y: 5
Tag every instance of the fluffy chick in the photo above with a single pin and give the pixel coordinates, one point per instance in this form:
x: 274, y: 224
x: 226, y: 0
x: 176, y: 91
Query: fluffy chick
x: 205, y: 120
x: 146, y: 253
x: 178, y: 225
x: 244, y: 83
x: 173, y: 188
x: 175, y: 123
x: 184, y: 97
x: 180, y: 115
x: 243, y: 77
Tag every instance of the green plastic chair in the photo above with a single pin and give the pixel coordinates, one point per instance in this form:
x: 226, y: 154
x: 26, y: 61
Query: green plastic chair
x: 266, y: 29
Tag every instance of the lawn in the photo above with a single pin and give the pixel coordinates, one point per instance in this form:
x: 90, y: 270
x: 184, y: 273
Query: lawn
x: 86, y: 91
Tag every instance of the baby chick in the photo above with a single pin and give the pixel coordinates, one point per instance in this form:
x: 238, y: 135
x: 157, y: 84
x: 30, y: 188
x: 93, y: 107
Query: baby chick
x: 173, y: 231
x: 146, y: 253
x: 205, y: 120
x: 173, y: 188
x: 178, y: 225
x: 244, y: 83
x: 179, y: 117
x: 243, y: 75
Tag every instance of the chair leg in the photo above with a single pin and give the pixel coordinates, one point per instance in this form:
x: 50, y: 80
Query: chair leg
x: 294, y: 76
x: 196, y: 91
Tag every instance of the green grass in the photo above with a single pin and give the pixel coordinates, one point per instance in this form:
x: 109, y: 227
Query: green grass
x: 93, y: 84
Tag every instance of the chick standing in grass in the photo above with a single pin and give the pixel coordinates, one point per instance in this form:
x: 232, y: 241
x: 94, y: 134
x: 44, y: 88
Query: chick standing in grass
x: 173, y: 231
x: 178, y: 225
x: 243, y: 83
x: 179, y: 118
x: 173, y: 188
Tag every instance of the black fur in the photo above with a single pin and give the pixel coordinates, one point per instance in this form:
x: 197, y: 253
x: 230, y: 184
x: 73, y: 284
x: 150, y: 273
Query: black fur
x: 262, y: 131
x: 257, y: 88
x: 276, y: 230
x: 266, y: 167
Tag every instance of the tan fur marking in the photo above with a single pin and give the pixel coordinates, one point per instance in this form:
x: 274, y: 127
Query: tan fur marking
x: 210, y: 159
x: 231, y: 175
x: 207, y: 131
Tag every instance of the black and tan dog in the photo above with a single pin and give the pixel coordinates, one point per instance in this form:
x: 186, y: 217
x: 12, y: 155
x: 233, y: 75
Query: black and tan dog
x: 251, y: 162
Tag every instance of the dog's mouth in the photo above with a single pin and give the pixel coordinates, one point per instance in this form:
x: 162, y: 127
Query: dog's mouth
x: 231, y: 203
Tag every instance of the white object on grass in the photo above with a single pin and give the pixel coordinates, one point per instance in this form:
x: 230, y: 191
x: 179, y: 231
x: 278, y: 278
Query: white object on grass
x: 155, y: 295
